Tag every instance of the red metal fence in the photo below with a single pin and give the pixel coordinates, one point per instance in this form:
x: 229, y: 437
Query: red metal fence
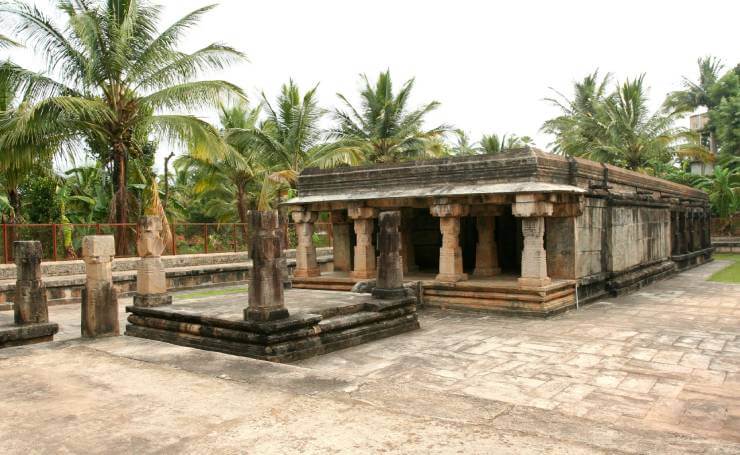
x: 64, y: 241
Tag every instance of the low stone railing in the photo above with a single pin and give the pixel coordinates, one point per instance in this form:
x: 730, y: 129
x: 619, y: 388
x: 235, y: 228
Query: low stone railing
x: 65, y: 281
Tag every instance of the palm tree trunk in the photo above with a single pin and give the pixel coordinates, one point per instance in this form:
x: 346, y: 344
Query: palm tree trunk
x: 121, y: 215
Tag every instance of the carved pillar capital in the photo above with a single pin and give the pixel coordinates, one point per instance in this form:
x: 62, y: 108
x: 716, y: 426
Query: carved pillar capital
x: 532, y: 205
x: 360, y: 212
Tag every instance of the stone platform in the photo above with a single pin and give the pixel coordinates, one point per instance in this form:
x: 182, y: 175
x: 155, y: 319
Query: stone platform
x: 320, y: 322
x: 18, y: 335
x: 499, y: 294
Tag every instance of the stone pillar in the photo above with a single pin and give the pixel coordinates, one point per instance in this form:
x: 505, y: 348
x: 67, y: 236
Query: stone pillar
x: 364, y: 249
x: 534, y: 257
x: 30, y: 304
x: 99, y: 299
x: 389, y: 284
x: 305, y: 252
x: 341, y: 241
x: 532, y: 208
x: 486, y: 251
x: 281, y: 230
x: 266, y: 298
x: 450, y: 255
x: 151, y: 281
x: 408, y: 253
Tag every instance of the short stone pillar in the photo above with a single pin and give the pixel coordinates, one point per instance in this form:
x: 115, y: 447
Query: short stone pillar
x: 364, y: 250
x: 266, y: 298
x: 341, y: 241
x: 389, y: 284
x: 450, y: 255
x: 534, y: 257
x: 151, y: 281
x: 486, y: 251
x: 99, y: 299
x: 30, y: 304
x: 305, y: 252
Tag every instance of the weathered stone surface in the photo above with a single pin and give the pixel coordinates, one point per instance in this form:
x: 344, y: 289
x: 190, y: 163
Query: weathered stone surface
x: 534, y: 257
x: 389, y: 283
x: 151, y: 281
x: 150, y: 241
x: 99, y: 299
x: 450, y: 255
x: 341, y: 242
x: 364, y: 249
x: 266, y: 300
x: 306, y: 265
x: 30, y: 294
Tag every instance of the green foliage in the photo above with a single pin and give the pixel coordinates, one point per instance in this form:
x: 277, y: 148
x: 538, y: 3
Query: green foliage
x: 725, y: 115
x: 114, y: 75
x: 41, y: 204
x: 383, y: 129
x: 617, y: 127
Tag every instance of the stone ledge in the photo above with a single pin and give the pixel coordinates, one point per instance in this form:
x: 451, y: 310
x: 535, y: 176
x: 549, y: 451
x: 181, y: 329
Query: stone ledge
x: 19, y: 335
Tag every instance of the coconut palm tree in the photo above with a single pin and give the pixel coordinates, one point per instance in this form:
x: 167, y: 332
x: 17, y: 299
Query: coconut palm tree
x: 232, y: 180
x: 120, y: 82
x: 23, y: 147
x: 491, y: 144
x: 618, y: 127
x: 383, y: 129
x: 580, y: 129
x: 697, y: 94
x: 289, y: 140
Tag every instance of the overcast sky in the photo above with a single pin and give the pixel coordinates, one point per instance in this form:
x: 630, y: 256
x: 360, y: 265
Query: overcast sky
x: 489, y: 63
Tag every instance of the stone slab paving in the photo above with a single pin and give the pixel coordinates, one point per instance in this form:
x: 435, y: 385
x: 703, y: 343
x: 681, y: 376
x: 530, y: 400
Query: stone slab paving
x: 666, y: 357
x: 657, y: 371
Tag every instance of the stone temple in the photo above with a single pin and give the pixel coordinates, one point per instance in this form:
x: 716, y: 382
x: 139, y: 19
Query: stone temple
x: 523, y: 232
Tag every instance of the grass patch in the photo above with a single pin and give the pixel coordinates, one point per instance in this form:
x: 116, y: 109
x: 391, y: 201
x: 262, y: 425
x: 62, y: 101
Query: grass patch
x: 731, y: 273
x: 212, y: 293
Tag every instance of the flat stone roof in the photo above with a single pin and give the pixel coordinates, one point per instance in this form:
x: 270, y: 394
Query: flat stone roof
x: 447, y: 189
x: 525, y: 170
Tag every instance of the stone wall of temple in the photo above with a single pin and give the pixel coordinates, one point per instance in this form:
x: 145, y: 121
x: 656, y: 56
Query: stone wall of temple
x: 590, y: 232
x: 638, y: 235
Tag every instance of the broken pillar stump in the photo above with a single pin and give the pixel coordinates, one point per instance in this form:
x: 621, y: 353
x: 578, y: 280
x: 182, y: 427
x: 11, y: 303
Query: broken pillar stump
x: 99, y: 299
x: 151, y: 281
x: 30, y: 309
x: 389, y: 283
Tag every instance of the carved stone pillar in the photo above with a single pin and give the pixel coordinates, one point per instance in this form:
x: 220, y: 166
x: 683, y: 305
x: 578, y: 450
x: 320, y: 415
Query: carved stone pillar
x: 99, y: 299
x: 532, y: 208
x: 486, y: 251
x: 364, y: 249
x: 408, y: 254
x: 450, y: 255
x: 30, y: 304
x: 341, y: 241
x: 151, y: 281
x: 534, y: 257
x: 305, y: 252
x: 266, y: 297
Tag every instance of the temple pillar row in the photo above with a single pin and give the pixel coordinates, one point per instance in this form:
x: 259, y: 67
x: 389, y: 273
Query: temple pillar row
x: 364, y: 261
x: 305, y: 253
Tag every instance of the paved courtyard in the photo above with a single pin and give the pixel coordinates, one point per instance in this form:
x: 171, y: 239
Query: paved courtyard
x: 657, y: 371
